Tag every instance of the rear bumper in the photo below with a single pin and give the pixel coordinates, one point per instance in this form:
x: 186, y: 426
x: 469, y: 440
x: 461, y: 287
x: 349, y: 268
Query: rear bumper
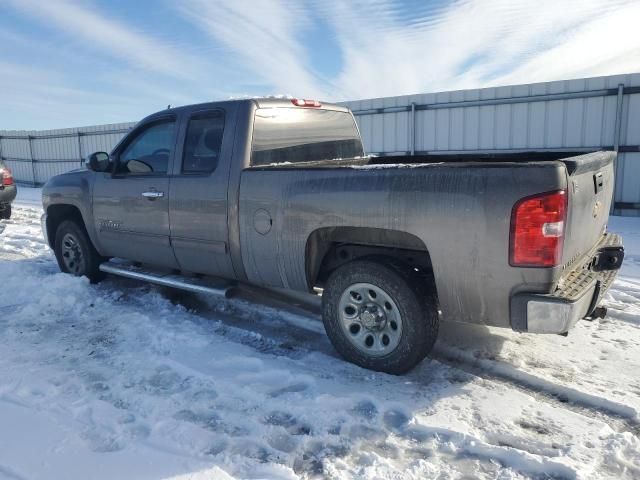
x: 576, y: 296
x: 8, y: 194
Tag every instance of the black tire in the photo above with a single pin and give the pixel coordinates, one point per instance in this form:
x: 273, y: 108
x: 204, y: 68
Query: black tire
x: 416, y: 302
x: 71, y: 239
x: 5, y: 213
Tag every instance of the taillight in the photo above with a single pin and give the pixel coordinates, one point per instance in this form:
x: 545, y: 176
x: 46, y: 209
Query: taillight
x: 7, y: 178
x: 537, y: 230
x: 299, y: 102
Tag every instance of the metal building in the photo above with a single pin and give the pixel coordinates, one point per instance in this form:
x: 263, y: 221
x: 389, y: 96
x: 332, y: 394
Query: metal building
x: 573, y: 116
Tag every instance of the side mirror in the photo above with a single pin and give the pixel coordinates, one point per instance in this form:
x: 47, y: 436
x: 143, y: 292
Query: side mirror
x: 99, y: 162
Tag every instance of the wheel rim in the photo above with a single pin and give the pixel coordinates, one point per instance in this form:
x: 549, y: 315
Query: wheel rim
x: 72, y: 254
x: 370, y: 319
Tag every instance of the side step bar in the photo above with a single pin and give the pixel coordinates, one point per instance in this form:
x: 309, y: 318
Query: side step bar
x: 130, y: 270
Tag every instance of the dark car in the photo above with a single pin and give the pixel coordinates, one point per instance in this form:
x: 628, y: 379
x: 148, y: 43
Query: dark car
x: 8, y: 191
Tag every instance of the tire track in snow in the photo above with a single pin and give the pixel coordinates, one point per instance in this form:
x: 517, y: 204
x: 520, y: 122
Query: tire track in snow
x: 618, y: 416
x: 271, y: 341
x: 276, y: 342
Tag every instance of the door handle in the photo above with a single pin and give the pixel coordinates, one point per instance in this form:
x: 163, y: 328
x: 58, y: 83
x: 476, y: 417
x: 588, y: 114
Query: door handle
x: 153, y: 195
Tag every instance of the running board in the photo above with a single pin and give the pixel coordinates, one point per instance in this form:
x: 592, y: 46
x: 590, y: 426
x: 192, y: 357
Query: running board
x: 167, y: 279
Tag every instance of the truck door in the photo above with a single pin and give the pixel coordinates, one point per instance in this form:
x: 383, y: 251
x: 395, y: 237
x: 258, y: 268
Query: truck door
x: 131, y: 205
x: 198, y: 186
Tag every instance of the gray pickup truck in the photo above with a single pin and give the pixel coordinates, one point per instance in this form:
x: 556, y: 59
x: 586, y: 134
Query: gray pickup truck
x: 279, y: 193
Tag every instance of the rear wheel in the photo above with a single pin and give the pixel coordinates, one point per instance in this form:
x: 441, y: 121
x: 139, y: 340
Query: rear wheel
x: 5, y: 211
x: 380, y: 315
x: 75, y: 252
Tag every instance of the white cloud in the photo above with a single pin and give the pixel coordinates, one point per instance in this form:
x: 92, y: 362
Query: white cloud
x: 477, y: 43
x: 103, y: 70
x: 608, y: 43
x: 101, y: 67
x: 110, y: 36
x: 34, y: 97
x: 390, y: 48
x: 262, y: 38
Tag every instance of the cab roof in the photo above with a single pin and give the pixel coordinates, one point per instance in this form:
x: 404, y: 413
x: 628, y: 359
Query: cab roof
x: 260, y: 102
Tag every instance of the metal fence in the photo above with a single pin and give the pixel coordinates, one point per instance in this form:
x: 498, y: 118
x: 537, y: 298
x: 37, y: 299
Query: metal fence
x: 36, y: 156
x: 600, y: 113
x: 573, y: 116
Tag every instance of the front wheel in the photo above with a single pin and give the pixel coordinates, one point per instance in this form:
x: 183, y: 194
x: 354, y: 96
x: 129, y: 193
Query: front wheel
x: 380, y: 315
x: 75, y: 253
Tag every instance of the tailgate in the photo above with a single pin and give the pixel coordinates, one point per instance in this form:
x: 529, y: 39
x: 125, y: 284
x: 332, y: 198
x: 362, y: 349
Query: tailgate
x: 590, y: 193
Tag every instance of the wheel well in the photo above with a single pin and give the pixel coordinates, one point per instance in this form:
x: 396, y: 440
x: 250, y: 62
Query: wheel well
x: 329, y: 248
x: 56, y: 214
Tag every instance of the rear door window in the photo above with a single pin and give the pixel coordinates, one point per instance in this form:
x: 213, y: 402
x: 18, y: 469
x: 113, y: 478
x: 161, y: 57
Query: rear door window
x: 293, y: 135
x: 203, y: 142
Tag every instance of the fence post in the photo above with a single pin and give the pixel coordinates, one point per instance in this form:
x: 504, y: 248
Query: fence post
x: 79, y: 148
x: 412, y: 128
x: 33, y: 167
x: 616, y: 146
x: 618, y: 125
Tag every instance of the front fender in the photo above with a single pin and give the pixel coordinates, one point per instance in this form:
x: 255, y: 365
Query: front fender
x: 73, y: 189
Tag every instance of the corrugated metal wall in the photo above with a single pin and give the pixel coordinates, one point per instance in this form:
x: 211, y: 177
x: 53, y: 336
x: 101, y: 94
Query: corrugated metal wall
x: 573, y: 115
x: 36, y: 156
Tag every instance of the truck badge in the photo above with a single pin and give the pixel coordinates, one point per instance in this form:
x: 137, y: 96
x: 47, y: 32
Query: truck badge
x: 109, y: 225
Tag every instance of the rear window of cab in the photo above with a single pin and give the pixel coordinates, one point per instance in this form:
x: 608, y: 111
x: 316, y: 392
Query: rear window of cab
x: 293, y: 135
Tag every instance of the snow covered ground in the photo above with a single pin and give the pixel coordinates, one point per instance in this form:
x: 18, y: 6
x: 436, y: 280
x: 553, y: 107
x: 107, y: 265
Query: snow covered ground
x: 126, y: 380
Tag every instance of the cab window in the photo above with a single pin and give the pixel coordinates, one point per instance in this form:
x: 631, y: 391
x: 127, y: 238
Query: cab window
x: 292, y: 135
x: 203, y: 142
x: 148, y: 153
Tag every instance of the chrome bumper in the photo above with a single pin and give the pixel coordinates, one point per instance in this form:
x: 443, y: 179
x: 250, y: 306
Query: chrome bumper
x: 576, y: 296
x: 548, y: 314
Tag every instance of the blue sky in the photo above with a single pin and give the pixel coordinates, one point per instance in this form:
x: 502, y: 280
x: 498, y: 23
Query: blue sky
x: 80, y: 62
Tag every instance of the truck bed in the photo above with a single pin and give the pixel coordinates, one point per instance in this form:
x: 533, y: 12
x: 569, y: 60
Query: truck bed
x: 458, y: 209
x: 570, y: 159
